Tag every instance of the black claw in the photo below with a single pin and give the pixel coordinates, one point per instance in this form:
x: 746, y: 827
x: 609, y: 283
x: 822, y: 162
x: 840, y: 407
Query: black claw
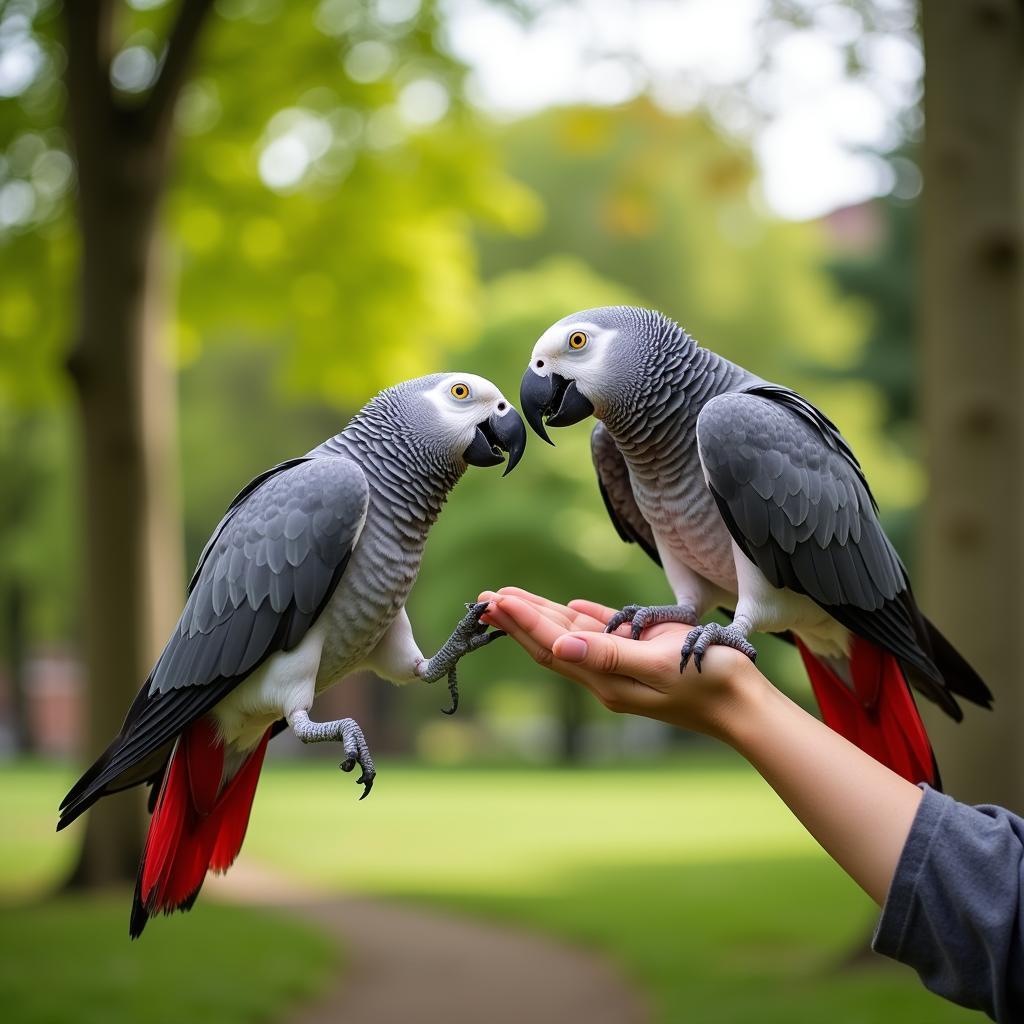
x: 688, y: 645
x: 453, y: 690
x: 367, y: 781
x: 348, y: 764
x: 483, y: 639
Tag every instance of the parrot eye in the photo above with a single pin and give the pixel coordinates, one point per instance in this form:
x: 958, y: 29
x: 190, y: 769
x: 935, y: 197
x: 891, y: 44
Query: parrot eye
x: 577, y: 340
x: 460, y: 391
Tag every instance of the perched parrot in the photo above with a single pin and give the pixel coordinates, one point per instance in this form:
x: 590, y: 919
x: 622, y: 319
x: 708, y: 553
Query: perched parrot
x: 751, y: 500
x: 303, y: 581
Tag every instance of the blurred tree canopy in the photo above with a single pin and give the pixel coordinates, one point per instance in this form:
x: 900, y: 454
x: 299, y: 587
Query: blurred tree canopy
x: 336, y: 219
x: 321, y: 199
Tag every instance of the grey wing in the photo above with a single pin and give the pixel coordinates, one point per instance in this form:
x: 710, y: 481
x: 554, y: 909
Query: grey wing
x: 796, y: 502
x: 617, y: 492
x: 264, y: 577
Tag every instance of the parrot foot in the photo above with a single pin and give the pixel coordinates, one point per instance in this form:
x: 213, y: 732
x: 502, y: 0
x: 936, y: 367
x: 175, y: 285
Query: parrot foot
x: 469, y: 635
x: 641, y: 616
x: 702, y: 637
x: 351, y: 736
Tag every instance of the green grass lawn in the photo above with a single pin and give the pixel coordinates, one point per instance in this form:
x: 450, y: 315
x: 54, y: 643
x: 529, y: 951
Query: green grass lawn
x: 690, y: 875
x: 69, y: 959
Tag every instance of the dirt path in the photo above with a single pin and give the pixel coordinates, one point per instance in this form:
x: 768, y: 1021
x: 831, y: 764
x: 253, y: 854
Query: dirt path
x: 407, y: 964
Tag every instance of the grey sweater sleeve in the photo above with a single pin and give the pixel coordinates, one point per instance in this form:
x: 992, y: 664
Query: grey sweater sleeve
x: 955, y: 908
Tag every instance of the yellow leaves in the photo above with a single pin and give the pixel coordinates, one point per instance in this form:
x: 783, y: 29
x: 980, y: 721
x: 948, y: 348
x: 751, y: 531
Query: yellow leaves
x: 727, y: 175
x: 585, y: 131
x: 629, y: 214
x: 509, y: 205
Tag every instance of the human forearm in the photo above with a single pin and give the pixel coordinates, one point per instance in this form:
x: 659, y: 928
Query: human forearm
x: 857, y: 809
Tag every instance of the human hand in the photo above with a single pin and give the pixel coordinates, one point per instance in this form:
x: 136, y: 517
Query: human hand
x: 639, y: 677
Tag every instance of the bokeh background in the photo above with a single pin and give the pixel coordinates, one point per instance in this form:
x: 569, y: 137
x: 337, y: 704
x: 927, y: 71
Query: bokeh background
x: 224, y: 225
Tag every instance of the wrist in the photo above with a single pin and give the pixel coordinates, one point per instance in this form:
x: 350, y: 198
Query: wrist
x: 742, y: 711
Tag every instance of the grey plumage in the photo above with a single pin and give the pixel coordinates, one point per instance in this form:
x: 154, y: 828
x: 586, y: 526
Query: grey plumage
x: 334, y: 537
x: 694, y: 454
x: 796, y: 501
x: 617, y: 493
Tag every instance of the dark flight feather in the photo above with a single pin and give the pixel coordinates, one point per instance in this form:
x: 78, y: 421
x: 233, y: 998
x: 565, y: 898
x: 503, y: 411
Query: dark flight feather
x: 812, y: 526
x: 247, y: 600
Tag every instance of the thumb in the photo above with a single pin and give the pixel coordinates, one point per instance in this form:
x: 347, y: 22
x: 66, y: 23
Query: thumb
x: 599, y: 652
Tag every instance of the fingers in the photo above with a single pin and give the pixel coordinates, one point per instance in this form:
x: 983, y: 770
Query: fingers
x: 610, y: 654
x: 525, y: 595
x: 561, y: 614
x: 538, y: 599
x: 596, y: 611
x: 529, y: 626
x: 539, y: 625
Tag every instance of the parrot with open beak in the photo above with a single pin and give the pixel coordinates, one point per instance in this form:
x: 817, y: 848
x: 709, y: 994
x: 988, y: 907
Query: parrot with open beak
x: 303, y: 581
x: 751, y: 500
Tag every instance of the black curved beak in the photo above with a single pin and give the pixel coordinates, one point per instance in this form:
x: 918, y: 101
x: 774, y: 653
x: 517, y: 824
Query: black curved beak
x: 495, y: 436
x: 554, y: 398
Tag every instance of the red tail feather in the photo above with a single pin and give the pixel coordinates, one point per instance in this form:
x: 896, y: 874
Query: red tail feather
x: 878, y: 713
x: 199, y: 821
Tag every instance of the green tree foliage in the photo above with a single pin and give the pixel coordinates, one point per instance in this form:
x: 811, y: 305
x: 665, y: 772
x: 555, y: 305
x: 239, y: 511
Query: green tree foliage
x: 670, y: 208
x: 321, y: 203
x: 339, y: 220
x: 321, y: 197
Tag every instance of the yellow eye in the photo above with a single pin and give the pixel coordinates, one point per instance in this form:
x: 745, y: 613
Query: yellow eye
x: 577, y: 340
x: 460, y: 391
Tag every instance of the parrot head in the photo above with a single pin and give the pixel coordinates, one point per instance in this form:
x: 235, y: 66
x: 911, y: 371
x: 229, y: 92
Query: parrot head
x: 588, y: 362
x: 471, y: 419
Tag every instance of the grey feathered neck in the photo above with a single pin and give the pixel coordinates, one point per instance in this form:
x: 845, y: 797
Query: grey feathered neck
x: 409, y: 470
x: 664, y: 381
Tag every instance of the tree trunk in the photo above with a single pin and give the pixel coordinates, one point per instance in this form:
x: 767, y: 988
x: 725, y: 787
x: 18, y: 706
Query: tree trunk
x: 972, y: 350
x: 132, y: 533
x: 124, y: 387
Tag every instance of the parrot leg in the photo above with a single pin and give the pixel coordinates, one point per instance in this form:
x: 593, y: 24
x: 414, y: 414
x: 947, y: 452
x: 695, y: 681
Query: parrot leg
x: 351, y: 736
x: 641, y: 616
x: 702, y: 637
x: 470, y: 635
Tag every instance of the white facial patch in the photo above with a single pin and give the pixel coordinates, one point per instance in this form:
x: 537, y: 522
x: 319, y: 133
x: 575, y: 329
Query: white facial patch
x: 552, y: 354
x: 465, y: 413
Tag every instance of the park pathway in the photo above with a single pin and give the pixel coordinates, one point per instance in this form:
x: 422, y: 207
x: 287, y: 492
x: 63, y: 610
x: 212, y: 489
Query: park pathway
x: 411, y: 964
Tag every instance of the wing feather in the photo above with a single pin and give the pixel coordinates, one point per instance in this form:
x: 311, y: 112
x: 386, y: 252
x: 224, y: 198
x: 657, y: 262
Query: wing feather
x: 796, y: 502
x: 263, y: 578
x: 617, y: 493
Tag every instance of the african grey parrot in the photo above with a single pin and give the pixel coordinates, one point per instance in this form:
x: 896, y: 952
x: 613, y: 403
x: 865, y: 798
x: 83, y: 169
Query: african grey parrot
x: 750, y: 498
x: 303, y: 581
